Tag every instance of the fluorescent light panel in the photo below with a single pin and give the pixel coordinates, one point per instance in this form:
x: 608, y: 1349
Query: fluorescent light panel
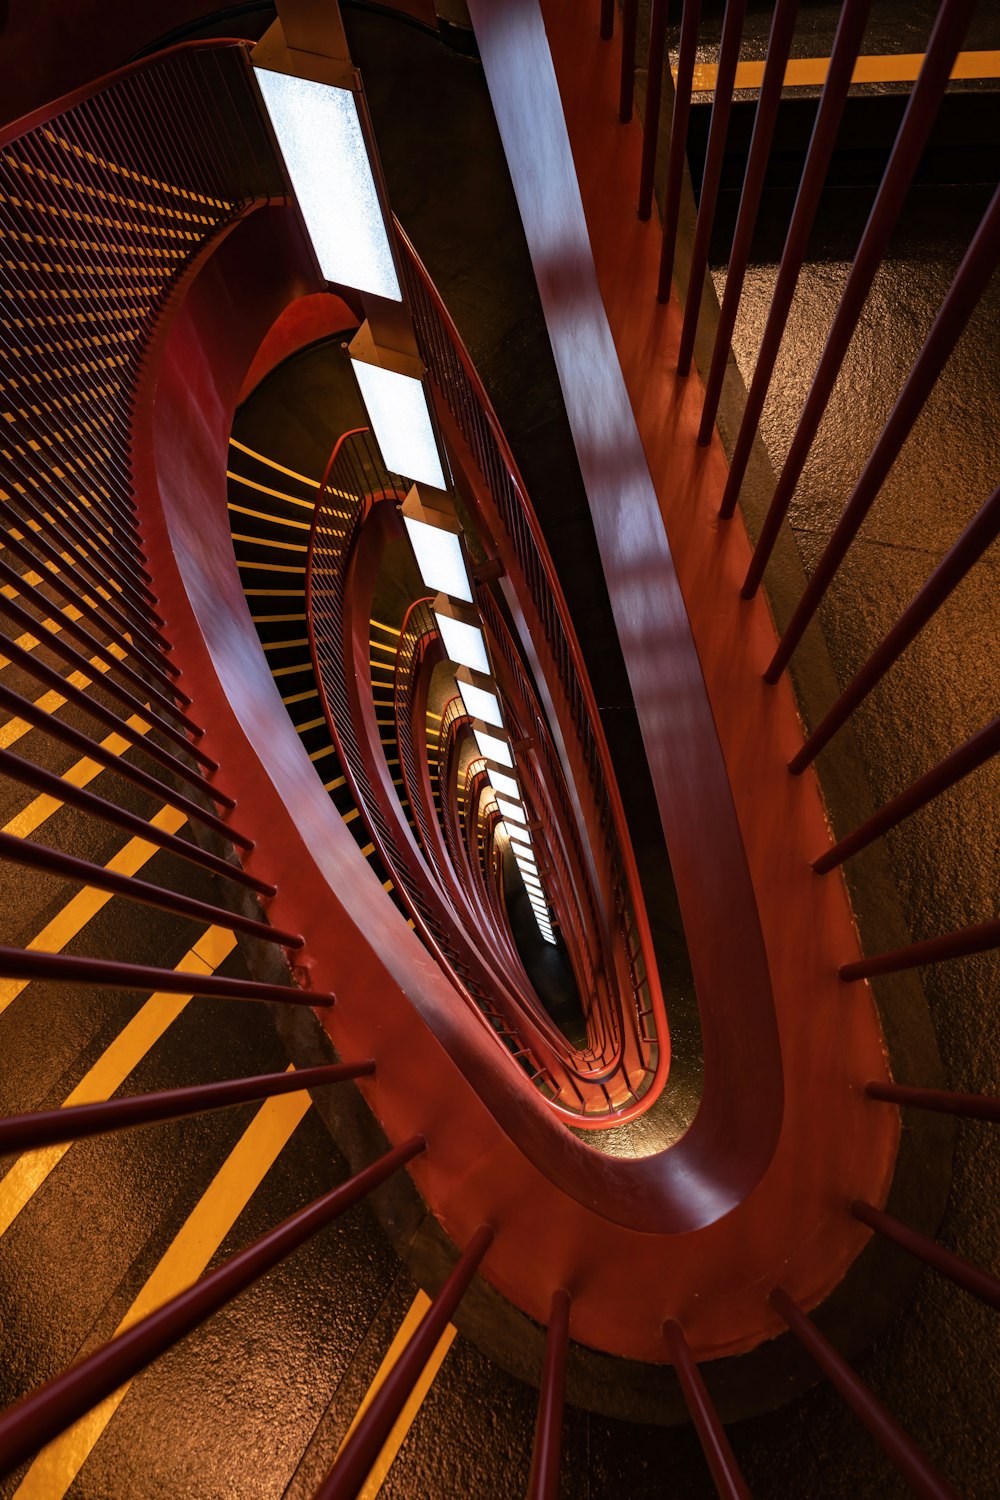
x: 512, y: 811
x: 501, y: 783
x: 493, y: 748
x: 479, y: 703
x: 397, y: 407
x: 436, y: 538
x: 515, y: 831
x: 319, y: 131
x: 464, y: 644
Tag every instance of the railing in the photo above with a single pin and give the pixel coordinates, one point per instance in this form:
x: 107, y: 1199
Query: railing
x: 353, y: 486
x: 95, y: 538
x: 970, y: 280
x: 109, y: 198
x: 508, y: 521
x: 603, y: 1085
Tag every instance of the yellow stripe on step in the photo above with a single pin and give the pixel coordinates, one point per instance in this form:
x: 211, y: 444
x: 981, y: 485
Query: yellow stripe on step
x: 404, y: 1421
x: 204, y: 1230
x: 74, y: 916
x: 111, y: 1069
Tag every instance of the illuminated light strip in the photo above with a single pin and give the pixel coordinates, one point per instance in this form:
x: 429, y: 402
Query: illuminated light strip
x: 111, y: 1069
x: 310, y: 724
x: 185, y: 1259
x: 404, y: 1421
x: 389, y: 629
x: 275, y: 594
x: 272, y: 464
x: 276, y: 620
x: 805, y: 72
x: 267, y: 567
x: 80, y: 774
x: 74, y: 916
x: 289, y: 671
x: 300, y: 697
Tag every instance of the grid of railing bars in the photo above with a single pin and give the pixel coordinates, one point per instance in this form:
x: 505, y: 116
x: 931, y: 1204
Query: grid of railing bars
x: 640, y: 1013
x: 356, y: 471
x: 970, y: 281
x: 154, y: 165
x: 453, y: 375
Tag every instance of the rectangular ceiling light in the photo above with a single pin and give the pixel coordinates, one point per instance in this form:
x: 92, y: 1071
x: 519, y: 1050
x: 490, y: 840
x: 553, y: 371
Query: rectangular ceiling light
x: 319, y: 130
x: 502, y: 783
x: 526, y: 862
x: 392, y: 389
x: 461, y: 634
x: 532, y: 883
x: 481, y: 702
x: 513, y: 812
x: 521, y: 835
x: 436, y: 538
x: 492, y: 747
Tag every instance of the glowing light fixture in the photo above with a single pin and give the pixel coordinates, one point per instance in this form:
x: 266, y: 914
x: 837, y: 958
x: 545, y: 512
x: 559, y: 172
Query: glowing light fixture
x: 392, y: 389
x: 492, y: 746
x: 319, y: 129
x: 526, y: 864
x: 501, y: 783
x: 515, y: 831
x: 513, y: 812
x: 461, y: 634
x: 436, y: 538
x: 481, y: 702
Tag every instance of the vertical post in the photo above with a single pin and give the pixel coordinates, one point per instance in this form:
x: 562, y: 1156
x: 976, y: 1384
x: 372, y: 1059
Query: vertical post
x: 850, y: 29
x: 970, y: 281
x: 626, y: 92
x: 654, y: 89
x: 728, y: 1480
x: 896, y: 1444
x: 975, y: 752
x: 679, y: 120
x: 908, y: 147
x: 722, y: 104
x: 940, y: 1101
x: 544, y: 1481
x: 969, y: 1277
x: 38, y: 1417
x: 778, y: 47
x: 960, y: 943
x: 980, y: 533
x: 365, y: 1443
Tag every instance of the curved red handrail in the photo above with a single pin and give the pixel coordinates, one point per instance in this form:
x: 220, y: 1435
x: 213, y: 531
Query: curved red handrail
x: 14, y: 129
x: 591, y: 712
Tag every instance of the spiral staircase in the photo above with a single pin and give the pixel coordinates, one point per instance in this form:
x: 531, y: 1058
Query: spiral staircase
x: 424, y: 1204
